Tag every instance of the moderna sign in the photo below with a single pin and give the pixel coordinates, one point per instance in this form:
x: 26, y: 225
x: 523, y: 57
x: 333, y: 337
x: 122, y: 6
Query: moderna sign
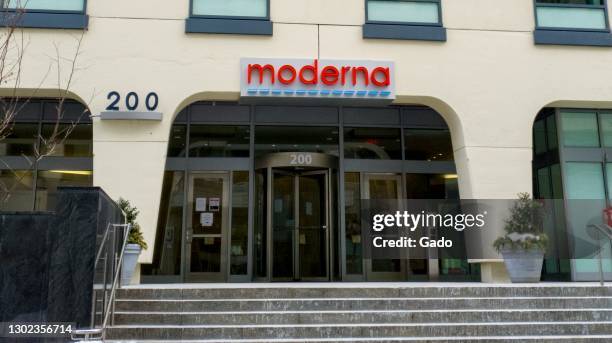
x: 314, y: 78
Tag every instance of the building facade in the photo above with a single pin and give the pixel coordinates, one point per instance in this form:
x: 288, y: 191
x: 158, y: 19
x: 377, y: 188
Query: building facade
x: 237, y: 181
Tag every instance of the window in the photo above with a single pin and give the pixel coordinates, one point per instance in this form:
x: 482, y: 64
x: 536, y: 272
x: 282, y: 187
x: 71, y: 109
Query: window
x: 230, y: 8
x: 571, y: 14
x: 219, y: 141
x: 50, y: 14
x: 33, y: 185
x: 404, y: 12
x: 572, y: 22
x: 404, y: 19
x: 372, y: 143
x: 47, y: 5
x: 428, y: 145
x: 270, y: 139
x: 250, y: 17
x: 580, y: 129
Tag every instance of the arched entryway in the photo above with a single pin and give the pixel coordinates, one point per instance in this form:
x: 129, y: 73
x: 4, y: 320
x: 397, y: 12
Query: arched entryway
x: 286, y: 182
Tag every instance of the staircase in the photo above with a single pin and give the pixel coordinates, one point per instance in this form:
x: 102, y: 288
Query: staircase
x: 385, y: 312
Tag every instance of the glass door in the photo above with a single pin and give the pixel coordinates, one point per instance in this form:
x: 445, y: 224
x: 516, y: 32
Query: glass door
x: 383, y: 187
x: 300, y: 222
x: 284, y: 187
x: 313, y: 226
x: 207, y: 227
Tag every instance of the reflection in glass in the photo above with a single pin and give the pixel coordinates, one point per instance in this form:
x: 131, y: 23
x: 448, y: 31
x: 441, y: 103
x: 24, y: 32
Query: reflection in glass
x: 260, y: 231
x: 571, y: 17
x: 167, y: 252
x: 72, y: 140
x: 428, y: 145
x: 270, y: 139
x: 49, y: 180
x: 539, y: 136
x: 240, y: 223
x: 283, y: 225
x: 580, y: 129
x: 218, y: 141
x: 230, y: 8
x: 432, y: 186
x: 178, y: 141
x: 426, y: 12
x: 352, y: 206
x: 53, y: 5
x: 206, y: 255
x: 372, y: 143
x: 605, y: 122
x: 21, y: 140
x: 16, y: 190
x: 585, y: 203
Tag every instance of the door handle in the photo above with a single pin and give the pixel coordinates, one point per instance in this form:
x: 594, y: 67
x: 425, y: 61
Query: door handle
x: 324, y: 227
x: 189, y: 235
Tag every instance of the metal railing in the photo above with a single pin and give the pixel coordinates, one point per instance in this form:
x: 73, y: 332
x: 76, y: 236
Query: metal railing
x: 607, y: 233
x: 107, y: 269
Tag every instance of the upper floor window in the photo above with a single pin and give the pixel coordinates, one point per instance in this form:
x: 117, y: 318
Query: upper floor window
x: 244, y: 17
x: 417, y: 12
x: 404, y: 19
x: 46, y: 5
x: 46, y: 14
x: 230, y: 8
x: 571, y: 14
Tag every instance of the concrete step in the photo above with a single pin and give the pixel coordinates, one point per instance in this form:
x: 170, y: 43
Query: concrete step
x: 441, y: 291
x: 378, y: 330
x: 347, y: 317
x: 345, y: 304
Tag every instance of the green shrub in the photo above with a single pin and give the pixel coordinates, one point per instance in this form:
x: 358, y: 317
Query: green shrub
x: 131, y: 213
x: 524, y: 227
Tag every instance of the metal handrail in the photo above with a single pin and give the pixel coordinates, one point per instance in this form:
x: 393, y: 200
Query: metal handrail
x: 99, y: 333
x: 607, y: 231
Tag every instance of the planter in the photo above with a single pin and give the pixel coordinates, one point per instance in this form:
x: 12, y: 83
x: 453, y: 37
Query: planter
x: 523, y: 266
x: 130, y: 258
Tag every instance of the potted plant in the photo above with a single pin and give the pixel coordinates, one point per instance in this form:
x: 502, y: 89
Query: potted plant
x: 524, y: 243
x: 135, y: 242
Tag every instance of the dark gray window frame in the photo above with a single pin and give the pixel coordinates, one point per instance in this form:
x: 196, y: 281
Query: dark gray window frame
x: 47, y: 162
x: 572, y: 36
x: 373, y: 29
x: 600, y: 155
x: 408, y: 117
x: 243, y: 25
x: 50, y: 19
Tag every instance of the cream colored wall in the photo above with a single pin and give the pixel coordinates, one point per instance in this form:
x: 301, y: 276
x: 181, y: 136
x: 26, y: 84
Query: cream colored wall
x: 489, y: 80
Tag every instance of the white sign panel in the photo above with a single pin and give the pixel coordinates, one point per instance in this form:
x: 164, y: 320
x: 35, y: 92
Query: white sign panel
x: 314, y: 78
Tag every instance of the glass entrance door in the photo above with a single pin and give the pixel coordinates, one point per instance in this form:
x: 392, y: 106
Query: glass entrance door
x: 383, y: 187
x: 207, y: 227
x: 300, y: 225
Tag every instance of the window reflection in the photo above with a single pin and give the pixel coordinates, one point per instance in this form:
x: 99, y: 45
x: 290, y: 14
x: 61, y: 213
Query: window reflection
x: 269, y: 139
x: 240, y: 223
x: 21, y: 140
x: 428, y: 145
x: 16, y: 190
x: 372, y: 143
x: 49, y: 180
x: 352, y: 205
x: 72, y: 140
x: 218, y: 141
x: 167, y: 252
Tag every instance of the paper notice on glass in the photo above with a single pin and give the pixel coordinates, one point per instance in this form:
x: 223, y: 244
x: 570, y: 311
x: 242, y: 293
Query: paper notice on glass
x: 308, y: 208
x: 200, y: 204
x: 214, y: 204
x: 278, y: 205
x: 206, y: 219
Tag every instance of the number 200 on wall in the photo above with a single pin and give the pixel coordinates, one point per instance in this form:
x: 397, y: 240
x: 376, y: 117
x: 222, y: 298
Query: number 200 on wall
x: 132, y: 101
